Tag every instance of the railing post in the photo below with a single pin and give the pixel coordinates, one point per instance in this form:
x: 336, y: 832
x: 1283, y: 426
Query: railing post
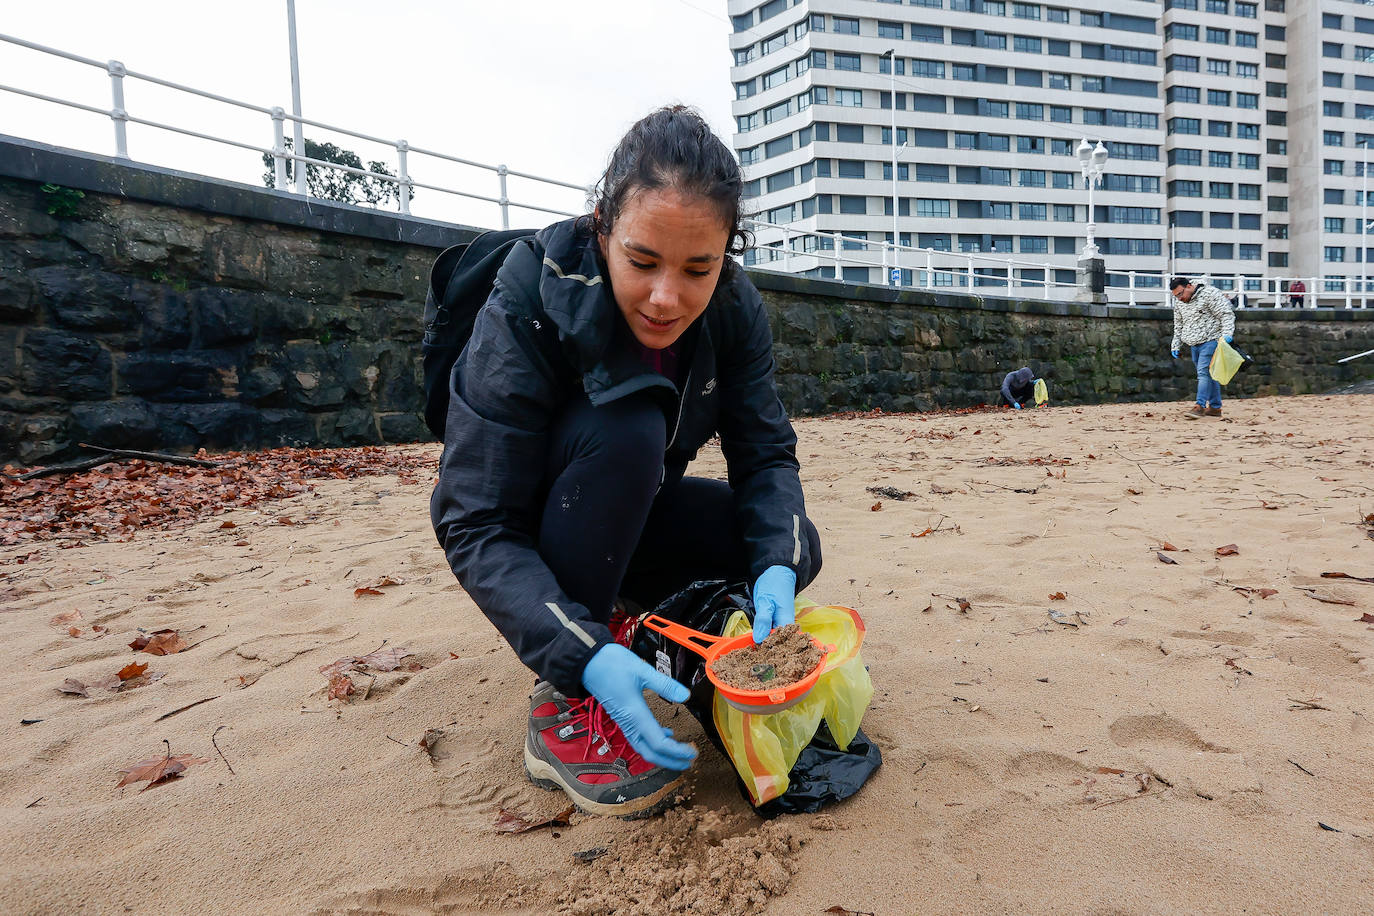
x: 117, y: 113
x: 1240, y: 289
x: 1130, y: 284
x: 403, y: 173
x: 786, y: 247
x: 930, y: 269
x: 279, y: 146
x: 1312, y: 291
x: 1049, y: 271
x: 501, y: 171
x: 1348, y: 301
x: 839, y: 269
x: 970, y: 274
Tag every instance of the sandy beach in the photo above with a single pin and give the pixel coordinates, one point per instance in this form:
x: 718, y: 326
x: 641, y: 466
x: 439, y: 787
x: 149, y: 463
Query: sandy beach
x: 1169, y: 736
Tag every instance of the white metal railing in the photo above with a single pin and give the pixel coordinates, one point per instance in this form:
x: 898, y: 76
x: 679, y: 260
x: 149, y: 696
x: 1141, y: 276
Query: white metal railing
x: 404, y: 180
x: 932, y: 268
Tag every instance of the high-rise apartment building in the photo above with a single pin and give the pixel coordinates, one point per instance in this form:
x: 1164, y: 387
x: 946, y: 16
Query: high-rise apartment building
x: 1235, y: 131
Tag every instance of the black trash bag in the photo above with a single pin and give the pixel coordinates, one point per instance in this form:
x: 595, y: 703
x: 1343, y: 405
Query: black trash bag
x: 823, y: 773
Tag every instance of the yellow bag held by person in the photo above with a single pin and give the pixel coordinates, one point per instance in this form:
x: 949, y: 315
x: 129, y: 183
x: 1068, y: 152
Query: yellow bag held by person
x: 1042, y: 392
x: 764, y: 748
x: 1225, y: 362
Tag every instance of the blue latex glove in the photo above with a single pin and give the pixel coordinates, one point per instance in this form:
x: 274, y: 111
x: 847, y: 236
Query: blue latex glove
x: 1174, y: 354
x: 1015, y: 406
x: 1228, y: 339
x: 617, y: 678
x: 775, y: 601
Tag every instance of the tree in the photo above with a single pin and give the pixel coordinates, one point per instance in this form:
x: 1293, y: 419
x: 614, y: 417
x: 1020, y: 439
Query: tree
x: 335, y: 184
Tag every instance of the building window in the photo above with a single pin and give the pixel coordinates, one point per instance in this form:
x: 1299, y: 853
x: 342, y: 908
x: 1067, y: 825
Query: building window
x: 1247, y: 160
x: 1247, y: 71
x: 1034, y: 145
x: 1247, y: 100
x: 1250, y: 132
x: 1222, y: 251
x: 1218, y: 67
x: 1218, y: 36
x: 842, y: 25
x: 1188, y: 251
x: 1063, y: 213
x: 1249, y: 252
x: 1185, y: 189
x: 1218, y: 160
x: 1059, y: 81
x: 1333, y: 196
x: 1026, y: 44
x: 1246, y: 10
x: 845, y: 61
x: 1031, y: 178
x: 1333, y: 253
x: 1278, y: 204
x: 1182, y: 155
x: 1218, y: 6
x: 1034, y: 244
x: 1187, y: 94
x: 890, y: 30
x: 1025, y: 10
x: 1218, y: 97
x: 931, y: 208
x: 932, y: 33
x: 1185, y: 126
x: 1247, y: 39
x: 1333, y: 224
x: 1061, y: 114
x: 1220, y: 221
x: 1247, y: 192
x: 1333, y: 138
x: 1333, y: 167
x: 1030, y: 111
x: 1332, y: 49
x: 934, y: 69
x: 1033, y: 211
x: 1184, y: 63
x: 1221, y: 190
x: 1218, y: 128
x: 1062, y: 181
x: 1333, y: 109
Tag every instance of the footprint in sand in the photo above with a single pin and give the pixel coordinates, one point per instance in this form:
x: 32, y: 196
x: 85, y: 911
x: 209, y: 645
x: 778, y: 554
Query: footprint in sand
x: 1158, y: 731
x: 1175, y: 751
x: 484, y: 889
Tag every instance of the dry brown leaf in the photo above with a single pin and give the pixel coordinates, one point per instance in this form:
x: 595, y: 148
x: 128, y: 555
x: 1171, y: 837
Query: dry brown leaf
x: 285, y: 521
x: 963, y: 605
x: 1058, y: 596
x: 1133, y: 491
x: 383, y: 659
x: 453, y: 654
x: 1165, y: 545
x: 73, y: 631
x: 1341, y: 575
x: 365, y: 590
x: 341, y: 687
x: 845, y: 911
x: 131, y: 671
x: 876, y: 507
x: 160, y: 642
x: 1165, y: 558
x: 157, y: 770
x: 514, y: 822
x: 228, y: 525
x: 1325, y: 598
x: 62, y: 620
x: 1228, y: 550
x: 72, y: 685
x: 386, y: 581
x: 1110, y: 771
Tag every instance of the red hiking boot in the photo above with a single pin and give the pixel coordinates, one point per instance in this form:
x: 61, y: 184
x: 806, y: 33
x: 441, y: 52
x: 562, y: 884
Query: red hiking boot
x: 574, y: 745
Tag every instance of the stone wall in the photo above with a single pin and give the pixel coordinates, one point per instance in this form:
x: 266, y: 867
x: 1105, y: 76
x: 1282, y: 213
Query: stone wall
x: 167, y: 311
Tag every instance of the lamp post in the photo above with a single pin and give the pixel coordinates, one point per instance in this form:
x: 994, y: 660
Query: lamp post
x: 893, y: 277
x: 297, y: 129
x: 1092, y: 161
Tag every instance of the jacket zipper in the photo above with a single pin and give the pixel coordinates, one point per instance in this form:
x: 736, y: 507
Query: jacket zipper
x: 681, y: 408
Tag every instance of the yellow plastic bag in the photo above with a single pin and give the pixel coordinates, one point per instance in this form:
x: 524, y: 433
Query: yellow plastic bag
x: 1225, y: 362
x: 1042, y: 392
x: 764, y: 748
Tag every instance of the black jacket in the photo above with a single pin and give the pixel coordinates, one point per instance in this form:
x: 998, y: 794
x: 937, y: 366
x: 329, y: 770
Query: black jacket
x: 523, y: 362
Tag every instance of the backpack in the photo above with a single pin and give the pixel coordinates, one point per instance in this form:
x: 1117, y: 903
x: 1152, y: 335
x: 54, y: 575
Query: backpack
x: 459, y: 283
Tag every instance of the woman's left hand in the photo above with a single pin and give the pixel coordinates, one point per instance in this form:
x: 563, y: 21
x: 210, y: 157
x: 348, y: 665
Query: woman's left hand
x: 775, y: 601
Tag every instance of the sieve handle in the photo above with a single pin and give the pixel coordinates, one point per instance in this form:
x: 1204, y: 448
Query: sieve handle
x: 699, y: 642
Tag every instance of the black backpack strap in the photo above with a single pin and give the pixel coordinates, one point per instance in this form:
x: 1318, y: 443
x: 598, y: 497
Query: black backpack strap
x: 520, y: 273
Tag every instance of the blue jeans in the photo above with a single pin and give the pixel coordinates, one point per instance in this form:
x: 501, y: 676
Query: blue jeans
x: 1208, y: 388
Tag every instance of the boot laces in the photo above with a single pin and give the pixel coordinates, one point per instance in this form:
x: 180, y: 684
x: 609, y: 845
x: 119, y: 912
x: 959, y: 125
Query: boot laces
x: 601, y: 729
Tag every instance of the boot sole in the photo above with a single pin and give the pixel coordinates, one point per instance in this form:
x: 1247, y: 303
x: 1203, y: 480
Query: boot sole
x: 542, y: 774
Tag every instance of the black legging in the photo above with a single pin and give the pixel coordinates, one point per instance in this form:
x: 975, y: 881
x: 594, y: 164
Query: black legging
x: 612, y: 525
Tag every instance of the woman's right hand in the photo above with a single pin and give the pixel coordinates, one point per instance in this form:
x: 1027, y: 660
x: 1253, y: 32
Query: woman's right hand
x: 617, y: 678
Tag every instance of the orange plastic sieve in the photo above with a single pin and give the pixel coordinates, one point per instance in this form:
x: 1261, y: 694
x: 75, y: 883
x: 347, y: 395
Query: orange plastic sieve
x: 757, y: 702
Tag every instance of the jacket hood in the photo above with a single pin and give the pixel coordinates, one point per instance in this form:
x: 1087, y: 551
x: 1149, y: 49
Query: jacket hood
x: 576, y: 296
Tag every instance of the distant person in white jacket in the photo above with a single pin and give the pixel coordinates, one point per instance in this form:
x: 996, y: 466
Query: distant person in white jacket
x: 1202, y: 314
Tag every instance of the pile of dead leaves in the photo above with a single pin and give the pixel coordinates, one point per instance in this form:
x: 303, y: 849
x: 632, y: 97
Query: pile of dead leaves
x: 114, y: 500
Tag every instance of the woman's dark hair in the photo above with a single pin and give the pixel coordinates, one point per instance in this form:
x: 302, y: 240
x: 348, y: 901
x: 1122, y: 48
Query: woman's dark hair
x: 675, y: 148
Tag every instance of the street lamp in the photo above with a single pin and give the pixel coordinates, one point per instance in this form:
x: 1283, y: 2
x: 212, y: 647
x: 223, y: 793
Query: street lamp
x: 297, y: 129
x: 1092, y: 161
x: 1364, y: 229
x: 893, y: 276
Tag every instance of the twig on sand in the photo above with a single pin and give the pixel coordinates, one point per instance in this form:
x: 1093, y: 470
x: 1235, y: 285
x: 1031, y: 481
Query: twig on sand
x: 35, y: 801
x: 1301, y: 767
x: 366, y: 543
x: 168, y: 715
x: 220, y: 752
x: 402, y: 743
x: 110, y: 454
x: 1117, y: 801
x: 1307, y: 704
x: 1167, y: 486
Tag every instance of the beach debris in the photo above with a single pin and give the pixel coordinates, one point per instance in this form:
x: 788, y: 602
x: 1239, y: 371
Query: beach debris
x: 1366, y: 617
x: 1165, y: 558
x: 157, y: 770
x: 1228, y: 550
x: 1122, y: 622
x: 963, y: 603
x: 130, y: 677
x: 941, y: 491
x: 891, y: 493
x: 1164, y: 545
x: 1110, y: 771
x: 844, y: 911
x: 1074, y: 620
x: 365, y: 590
x: 876, y: 507
x: 159, y: 642
x: 430, y: 740
x: 1328, y: 827
x: 1231, y: 663
x: 508, y: 821
x: 1307, y: 704
x: 1341, y: 575
x: 1323, y: 596
x: 341, y: 685
x: 1301, y: 767
x: 590, y: 855
x: 1248, y: 592
x: 1058, y: 596
x: 65, y: 620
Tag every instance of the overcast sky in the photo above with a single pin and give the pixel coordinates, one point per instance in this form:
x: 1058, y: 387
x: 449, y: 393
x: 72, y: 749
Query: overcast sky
x: 544, y: 87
